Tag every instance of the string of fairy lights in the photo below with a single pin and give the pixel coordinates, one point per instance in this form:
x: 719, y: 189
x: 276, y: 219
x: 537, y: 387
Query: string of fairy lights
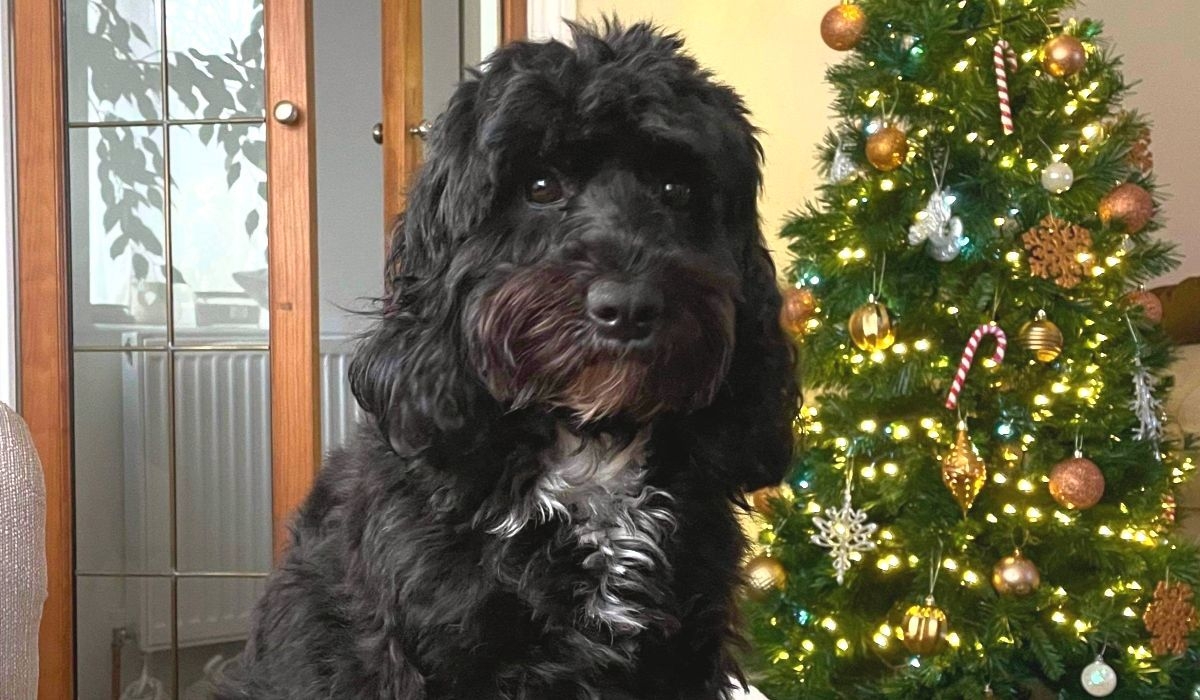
x: 1075, y: 387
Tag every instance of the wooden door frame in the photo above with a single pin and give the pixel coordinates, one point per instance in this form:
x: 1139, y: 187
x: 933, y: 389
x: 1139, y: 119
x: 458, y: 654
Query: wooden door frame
x: 292, y: 261
x: 514, y: 20
x: 42, y: 307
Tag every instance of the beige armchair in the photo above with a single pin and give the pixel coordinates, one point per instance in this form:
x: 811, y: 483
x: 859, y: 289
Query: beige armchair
x: 22, y: 557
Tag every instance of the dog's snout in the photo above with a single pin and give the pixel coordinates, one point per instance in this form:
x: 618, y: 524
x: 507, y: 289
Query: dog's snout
x: 624, y: 310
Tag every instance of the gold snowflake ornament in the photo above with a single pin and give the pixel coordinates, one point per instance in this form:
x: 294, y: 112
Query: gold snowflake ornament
x: 1170, y: 618
x: 1059, y: 251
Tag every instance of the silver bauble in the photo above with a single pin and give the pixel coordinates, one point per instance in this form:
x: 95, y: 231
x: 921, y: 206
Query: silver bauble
x: 1098, y: 678
x: 1058, y: 177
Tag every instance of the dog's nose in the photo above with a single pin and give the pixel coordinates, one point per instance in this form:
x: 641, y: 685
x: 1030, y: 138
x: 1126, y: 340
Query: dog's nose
x: 624, y: 310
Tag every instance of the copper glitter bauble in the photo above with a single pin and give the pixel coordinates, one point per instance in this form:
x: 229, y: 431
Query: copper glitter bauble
x: 1129, y: 208
x: 843, y: 27
x: 764, y: 574
x: 887, y: 148
x: 1077, y: 483
x: 870, y: 327
x: 963, y: 471
x: 925, y: 627
x: 766, y: 499
x: 1152, y: 306
x: 799, y: 305
x: 1042, y: 338
x: 1064, y: 56
x: 1015, y: 575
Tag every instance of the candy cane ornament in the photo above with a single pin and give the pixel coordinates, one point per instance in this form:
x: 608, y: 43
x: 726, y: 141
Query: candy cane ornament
x: 968, y: 358
x: 1005, y: 60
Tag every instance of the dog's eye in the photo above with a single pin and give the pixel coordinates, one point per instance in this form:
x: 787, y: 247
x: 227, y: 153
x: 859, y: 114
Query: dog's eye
x: 676, y: 194
x: 544, y: 190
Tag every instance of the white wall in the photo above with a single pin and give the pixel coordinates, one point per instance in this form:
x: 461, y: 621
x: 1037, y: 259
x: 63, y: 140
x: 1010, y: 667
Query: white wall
x: 8, y: 301
x: 1158, y: 41
x: 546, y: 19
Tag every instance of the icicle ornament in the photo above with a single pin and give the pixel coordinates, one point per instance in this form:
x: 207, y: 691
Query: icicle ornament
x: 1145, y: 404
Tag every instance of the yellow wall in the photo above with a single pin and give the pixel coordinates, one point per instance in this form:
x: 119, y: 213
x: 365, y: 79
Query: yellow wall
x: 771, y: 52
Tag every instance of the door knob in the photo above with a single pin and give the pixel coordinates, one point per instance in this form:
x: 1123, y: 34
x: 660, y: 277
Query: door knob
x: 377, y: 132
x: 421, y: 130
x: 286, y: 112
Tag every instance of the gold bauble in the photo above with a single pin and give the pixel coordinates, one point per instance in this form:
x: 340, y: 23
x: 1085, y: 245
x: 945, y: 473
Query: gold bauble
x: 799, y: 305
x: 843, y: 26
x: 925, y: 628
x: 1129, y: 206
x: 1064, y: 56
x: 765, y: 499
x: 963, y: 471
x: 1152, y: 306
x: 1015, y: 575
x: 764, y: 574
x: 1042, y: 338
x: 887, y: 148
x: 1077, y: 483
x: 870, y: 327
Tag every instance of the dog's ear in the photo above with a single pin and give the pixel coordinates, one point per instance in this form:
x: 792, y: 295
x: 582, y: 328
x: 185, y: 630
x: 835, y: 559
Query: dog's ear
x: 409, y: 371
x: 759, y: 403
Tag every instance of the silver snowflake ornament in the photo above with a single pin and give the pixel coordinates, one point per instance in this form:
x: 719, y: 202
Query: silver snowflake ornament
x: 937, y: 224
x: 844, y: 531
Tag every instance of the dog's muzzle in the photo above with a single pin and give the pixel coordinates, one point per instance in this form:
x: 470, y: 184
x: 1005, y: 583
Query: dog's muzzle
x: 604, y: 343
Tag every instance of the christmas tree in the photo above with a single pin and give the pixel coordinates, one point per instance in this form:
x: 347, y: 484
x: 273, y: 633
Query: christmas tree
x: 982, y: 503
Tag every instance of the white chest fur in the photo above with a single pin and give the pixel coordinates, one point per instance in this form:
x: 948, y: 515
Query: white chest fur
x: 596, y: 487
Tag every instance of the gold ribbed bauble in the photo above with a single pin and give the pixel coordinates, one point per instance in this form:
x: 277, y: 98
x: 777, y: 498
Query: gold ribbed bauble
x: 887, y: 148
x: 963, y: 471
x: 925, y: 627
x: 764, y: 574
x: 799, y: 305
x: 1130, y: 207
x: 1077, y: 483
x: 870, y: 327
x: 1042, y: 338
x: 1015, y: 575
x: 1152, y: 306
x: 1064, y: 56
x: 843, y: 26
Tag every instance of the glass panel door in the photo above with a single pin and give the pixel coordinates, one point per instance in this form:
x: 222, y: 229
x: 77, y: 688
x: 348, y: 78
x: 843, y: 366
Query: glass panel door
x: 167, y: 159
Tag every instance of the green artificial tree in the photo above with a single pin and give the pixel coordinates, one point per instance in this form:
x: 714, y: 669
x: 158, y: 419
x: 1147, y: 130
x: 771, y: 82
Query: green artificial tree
x: 1002, y: 536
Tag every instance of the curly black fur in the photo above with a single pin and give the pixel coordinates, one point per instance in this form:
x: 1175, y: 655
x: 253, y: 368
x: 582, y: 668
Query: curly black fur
x: 536, y: 512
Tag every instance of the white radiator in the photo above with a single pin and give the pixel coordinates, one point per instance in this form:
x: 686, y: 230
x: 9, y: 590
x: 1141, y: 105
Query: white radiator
x: 222, y: 481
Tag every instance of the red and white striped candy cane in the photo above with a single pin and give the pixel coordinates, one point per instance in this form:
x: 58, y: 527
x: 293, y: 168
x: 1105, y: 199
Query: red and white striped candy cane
x: 1004, y: 57
x: 968, y: 358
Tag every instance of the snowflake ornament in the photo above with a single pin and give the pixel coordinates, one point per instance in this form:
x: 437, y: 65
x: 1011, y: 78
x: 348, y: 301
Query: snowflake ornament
x: 937, y: 224
x: 844, y: 531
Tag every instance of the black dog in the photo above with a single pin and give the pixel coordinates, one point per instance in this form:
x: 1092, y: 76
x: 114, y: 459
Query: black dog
x: 578, y: 371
